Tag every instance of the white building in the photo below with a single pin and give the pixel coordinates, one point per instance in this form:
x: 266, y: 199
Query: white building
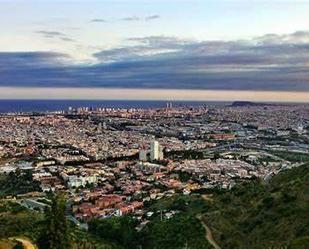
x: 156, y: 151
x: 81, y: 181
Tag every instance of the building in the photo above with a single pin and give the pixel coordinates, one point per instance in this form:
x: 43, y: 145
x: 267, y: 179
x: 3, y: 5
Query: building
x: 154, y: 150
x: 45, y: 163
x: 74, y: 181
x: 143, y: 155
x: 161, y: 155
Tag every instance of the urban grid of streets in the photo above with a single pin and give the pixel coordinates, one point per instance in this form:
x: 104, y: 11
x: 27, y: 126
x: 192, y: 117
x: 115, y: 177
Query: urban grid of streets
x: 113, y: 161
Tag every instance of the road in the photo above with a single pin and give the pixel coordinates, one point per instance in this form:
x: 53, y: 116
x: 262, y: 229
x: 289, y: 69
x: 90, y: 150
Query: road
x: 77, y: 223
x: 26, y: 243
x: 208, y: 235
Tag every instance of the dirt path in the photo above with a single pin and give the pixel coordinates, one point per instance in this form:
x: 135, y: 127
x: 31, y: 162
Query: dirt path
x: 27, y: 243
x: 208, y: 197
x: 208, y: 235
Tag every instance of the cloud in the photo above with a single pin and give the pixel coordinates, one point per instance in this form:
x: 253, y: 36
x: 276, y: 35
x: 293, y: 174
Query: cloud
x: 67, y: 39
x: 270, y: 62
x: 24, y: 60
x: 131, y: 18
x: 161, y: 41
x: 130, y: 53
x: 98, y: 20
x: 50, y: 33
x: 139, y: 18
x: 55, y: 35
x: 144, y: 47
x: 152, y: 17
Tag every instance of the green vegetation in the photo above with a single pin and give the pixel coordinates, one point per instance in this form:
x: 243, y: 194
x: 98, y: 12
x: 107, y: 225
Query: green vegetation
x: 185, y: 154
x: 84, y: 240
x: 184, y: 176
x: 55, y: 234
x: 255, y: 215
x: 48, y: 230
x: 252, y: 215
x: 15, y: 220
x: 18, y: 182
x: 120, y: 230
x: 181, y: 231
x: 291, y: 156
x: 191, y: 205
x: 58, y: 233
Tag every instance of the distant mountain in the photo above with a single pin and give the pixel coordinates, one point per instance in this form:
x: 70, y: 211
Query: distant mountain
x: 246, y: 103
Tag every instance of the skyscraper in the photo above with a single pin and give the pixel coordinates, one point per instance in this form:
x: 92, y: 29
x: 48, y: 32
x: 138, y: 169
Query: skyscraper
x: 154, y: 150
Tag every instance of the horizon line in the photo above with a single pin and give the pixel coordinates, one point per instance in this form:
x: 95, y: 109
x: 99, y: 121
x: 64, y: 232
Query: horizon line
x: 71, y: 93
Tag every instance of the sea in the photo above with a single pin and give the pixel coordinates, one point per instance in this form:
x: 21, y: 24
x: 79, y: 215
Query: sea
x: 10, y: 106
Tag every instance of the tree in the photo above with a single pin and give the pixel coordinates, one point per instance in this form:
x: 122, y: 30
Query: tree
x: 85, y: 245
x: 115, y: 229
x: 181, y: 231
x: 56, y: 234
x: 216, y: 155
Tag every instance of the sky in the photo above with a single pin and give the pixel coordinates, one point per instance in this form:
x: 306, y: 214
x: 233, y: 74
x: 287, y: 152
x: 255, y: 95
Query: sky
x: 235, y: 47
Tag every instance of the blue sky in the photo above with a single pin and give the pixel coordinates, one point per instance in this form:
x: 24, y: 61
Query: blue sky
x: 178, y: 44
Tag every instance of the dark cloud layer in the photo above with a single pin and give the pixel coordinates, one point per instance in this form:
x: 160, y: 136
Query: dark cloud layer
x: 270, y: 62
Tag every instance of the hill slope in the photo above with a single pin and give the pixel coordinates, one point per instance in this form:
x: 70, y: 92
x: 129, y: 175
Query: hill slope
x: 259, y: 215
x: 254, y: 215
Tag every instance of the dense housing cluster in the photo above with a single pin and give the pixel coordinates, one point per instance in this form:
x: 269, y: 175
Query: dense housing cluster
x: 113, y: 162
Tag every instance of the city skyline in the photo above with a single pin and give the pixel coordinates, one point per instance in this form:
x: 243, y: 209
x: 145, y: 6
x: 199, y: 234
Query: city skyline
x: 188, y: 49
